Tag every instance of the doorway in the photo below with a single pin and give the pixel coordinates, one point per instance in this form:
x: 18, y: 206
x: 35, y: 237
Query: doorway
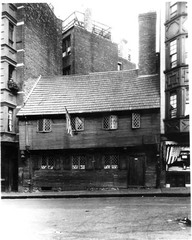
x: 136, y: 171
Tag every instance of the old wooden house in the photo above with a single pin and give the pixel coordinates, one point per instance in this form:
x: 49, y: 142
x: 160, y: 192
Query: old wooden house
x: 115, y: 121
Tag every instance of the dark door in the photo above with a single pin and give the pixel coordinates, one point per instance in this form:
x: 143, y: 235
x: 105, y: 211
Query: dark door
x: 136, y: 171
x: 9, y: 168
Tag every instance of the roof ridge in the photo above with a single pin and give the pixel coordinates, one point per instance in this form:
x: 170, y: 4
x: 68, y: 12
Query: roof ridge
x: 117, y: 71
x: 88, y: 74
x: 151, y: 75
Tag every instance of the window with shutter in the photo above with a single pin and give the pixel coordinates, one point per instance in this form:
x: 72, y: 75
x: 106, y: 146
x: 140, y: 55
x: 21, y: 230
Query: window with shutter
x: 67, y: 163
x: 110, y: 122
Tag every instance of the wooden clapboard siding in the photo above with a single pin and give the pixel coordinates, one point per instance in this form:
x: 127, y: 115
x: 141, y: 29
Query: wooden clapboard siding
x: 65, y: 178
x: 93, y: 135
x: 69, y: 180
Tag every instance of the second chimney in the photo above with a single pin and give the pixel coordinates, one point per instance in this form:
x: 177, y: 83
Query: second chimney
x: 147, y: 43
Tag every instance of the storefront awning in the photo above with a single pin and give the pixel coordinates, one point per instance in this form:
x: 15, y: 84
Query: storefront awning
x: 173, y: 152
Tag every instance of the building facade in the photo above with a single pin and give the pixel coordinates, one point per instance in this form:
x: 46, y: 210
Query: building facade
x: 87, y: 47
x: 175, y: 140
x: 21, y: 44
x: 9, y: 90
x: 99, y: 130
x: 114, y: 140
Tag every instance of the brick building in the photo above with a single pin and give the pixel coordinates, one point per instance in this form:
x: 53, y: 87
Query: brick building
x: 30, y: 46
x: 175, y: 93
x: 87, y: 47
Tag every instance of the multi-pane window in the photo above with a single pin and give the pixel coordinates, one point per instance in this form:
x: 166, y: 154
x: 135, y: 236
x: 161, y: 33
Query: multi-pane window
x: 110, y: 122
x: 111, y: 161
x: 77, y: 124
x: 66, y: 46
x: 173, y: 105
x: 78, y: 162
x: 44, y: 125
x: 173, y: 53
x: 136, y: 120
x: 10, y: 119
x: 47, y: 162
x: 11, y: 29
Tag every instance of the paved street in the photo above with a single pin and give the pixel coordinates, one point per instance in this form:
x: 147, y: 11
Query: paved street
x: 95, y: 218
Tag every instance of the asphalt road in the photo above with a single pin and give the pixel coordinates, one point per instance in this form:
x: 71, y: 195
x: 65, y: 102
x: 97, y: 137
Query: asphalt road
x: 95, y: 218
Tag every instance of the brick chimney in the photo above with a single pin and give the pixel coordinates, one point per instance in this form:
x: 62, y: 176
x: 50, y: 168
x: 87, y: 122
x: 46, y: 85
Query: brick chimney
x: 147, y: 43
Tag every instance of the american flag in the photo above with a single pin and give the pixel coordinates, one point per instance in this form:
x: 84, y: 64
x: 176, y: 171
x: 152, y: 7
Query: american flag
x: 68, y: 123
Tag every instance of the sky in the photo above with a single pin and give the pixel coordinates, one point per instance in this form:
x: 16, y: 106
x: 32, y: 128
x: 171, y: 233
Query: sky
x: 121, y: 16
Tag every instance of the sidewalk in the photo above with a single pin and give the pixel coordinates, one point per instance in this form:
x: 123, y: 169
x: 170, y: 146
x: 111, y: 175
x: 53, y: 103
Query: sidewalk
x: 134, y: 192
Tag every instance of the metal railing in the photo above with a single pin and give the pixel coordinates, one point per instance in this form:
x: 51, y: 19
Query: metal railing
x: 77, y: 19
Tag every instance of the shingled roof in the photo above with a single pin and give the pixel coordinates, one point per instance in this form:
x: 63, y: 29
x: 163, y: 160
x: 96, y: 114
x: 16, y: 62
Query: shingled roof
x: 95, y: 92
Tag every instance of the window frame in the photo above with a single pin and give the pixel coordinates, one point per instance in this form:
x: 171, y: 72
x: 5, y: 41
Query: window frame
x: 10, y: 120
x: 173, y: 102
x: 110, y: 122
x: 186, y: 50
x: 47, y: 159
x: 74, y: 124
x: 11, y: 33
x: 110, y: 159
x: 187, y: 106
x: 11, y: 69
x: 66, y: 46
x: 135, y: 117
x: 173, y: 10
x: 79, y: 166
x: 173, y: 53
x: 44, y: 130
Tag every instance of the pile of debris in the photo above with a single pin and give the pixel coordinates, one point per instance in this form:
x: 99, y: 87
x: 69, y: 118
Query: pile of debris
x: 185, y: 221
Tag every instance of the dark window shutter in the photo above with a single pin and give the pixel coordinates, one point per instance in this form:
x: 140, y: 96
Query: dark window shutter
x: 123, y: 161
x: 89, y: 162
x: 36, y: 162
x: 57, y: 164
x: 67, y: 163
x: 99, y: 162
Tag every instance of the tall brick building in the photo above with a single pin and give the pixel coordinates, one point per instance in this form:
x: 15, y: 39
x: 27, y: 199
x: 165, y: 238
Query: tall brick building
x: 30, y: 46
x: 87, y: 47
x: 175, y: 93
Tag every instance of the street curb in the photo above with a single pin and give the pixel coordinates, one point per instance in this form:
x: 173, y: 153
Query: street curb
x: 97, y: 195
